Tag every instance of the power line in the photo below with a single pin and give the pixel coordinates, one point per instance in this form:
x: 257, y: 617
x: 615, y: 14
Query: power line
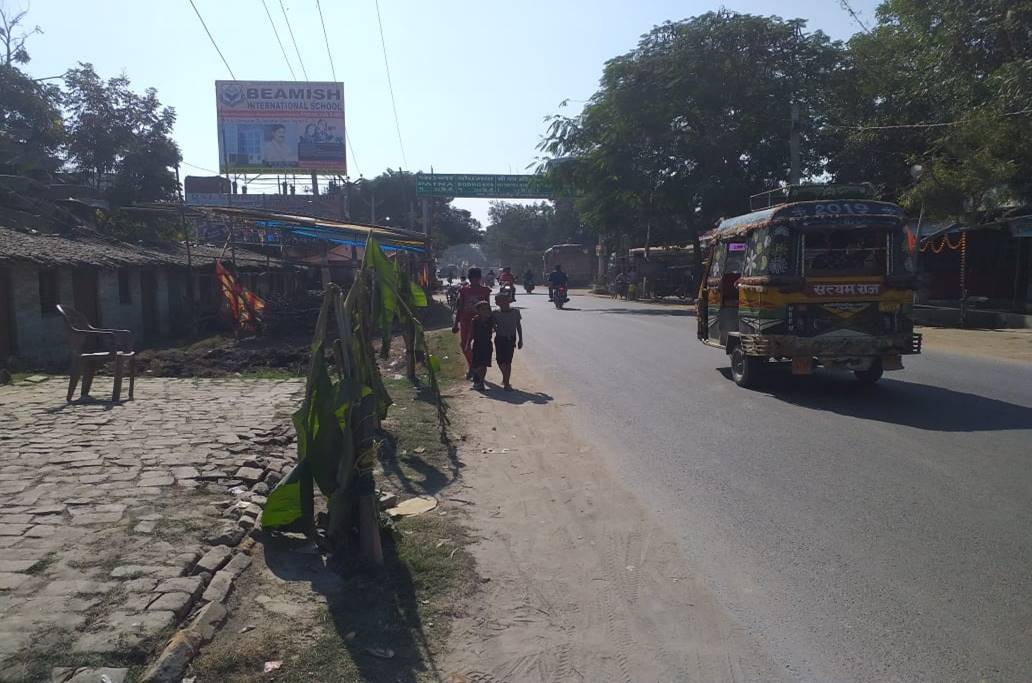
x: 294, y: 40
x: 944, y: 124
x: 333, y: 72
x: 856, y: 17
x: 326, y: 39
x: 199, y: 168
x: 280, y: 42
x: 390, y: 85
x: 212, y: 39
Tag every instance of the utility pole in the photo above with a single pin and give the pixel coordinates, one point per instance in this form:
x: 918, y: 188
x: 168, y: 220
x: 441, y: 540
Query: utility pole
x: 315, y: 185
x: 189, y: 259
x: 793, y: 145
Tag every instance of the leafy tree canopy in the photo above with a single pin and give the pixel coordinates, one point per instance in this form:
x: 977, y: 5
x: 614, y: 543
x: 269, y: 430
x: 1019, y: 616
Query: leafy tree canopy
x: 946, y: 86
x: 688, y: 124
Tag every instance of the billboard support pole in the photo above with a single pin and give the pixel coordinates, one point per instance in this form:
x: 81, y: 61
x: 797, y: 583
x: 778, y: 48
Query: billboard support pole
x: 315, y: 185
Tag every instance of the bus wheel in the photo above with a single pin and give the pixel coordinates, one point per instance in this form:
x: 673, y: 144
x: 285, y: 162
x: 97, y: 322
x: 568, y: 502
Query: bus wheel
x: 871, y: 374
x: 745, y: 370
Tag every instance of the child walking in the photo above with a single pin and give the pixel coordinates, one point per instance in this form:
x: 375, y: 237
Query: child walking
x: 483, y: 330
x: 508, y: 336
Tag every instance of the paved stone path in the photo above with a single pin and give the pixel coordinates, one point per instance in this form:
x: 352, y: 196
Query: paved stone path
x: 103, y: 509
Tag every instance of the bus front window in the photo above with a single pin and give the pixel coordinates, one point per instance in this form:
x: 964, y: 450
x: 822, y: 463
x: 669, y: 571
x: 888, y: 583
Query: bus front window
x: 856, y: 251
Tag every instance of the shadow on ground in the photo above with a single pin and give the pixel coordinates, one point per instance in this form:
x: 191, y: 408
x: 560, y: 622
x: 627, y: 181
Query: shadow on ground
x: 433, y: 477
x: 516, y: 396
x: 646, y: 311
x: 375, y: 615
x: 892, y: 401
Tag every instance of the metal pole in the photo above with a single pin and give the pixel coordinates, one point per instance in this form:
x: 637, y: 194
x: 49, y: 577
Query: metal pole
x: 793, y: 145
x: 315, y: 185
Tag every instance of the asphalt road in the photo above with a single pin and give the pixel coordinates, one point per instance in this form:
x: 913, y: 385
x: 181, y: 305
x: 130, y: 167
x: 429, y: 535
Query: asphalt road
x: 860, y: 534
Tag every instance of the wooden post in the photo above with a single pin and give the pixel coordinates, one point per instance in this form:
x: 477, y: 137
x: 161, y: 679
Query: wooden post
x: 191, y: 312
x: 410, y: 349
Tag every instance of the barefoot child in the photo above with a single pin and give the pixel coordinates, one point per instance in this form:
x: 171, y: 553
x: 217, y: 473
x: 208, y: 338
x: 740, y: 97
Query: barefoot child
x: 508, y: 336
x: 482, y: 331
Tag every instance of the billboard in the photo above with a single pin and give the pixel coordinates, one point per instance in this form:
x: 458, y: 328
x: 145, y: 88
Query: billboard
x: 280, y: 127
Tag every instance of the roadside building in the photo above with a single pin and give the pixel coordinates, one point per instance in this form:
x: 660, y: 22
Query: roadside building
x: 989, y: 264
x: 144, y: 288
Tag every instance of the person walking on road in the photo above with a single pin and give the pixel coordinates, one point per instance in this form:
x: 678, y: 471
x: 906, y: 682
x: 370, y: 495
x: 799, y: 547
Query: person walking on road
x: 508, y: 336
x: 482, y: 329
x: 465, y: 310
x: 620, y: 286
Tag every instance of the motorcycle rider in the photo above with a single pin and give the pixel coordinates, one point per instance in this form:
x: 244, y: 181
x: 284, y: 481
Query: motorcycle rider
x: 506, y: 278
x: 528, y: 279
x: 489, y: 279
x: 557, y: 278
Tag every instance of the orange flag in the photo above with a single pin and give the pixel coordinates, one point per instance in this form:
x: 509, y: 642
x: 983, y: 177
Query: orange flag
x: 245, y: 307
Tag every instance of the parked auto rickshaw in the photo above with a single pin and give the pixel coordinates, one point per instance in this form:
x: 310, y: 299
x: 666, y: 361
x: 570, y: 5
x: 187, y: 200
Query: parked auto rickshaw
x: 826, y: 282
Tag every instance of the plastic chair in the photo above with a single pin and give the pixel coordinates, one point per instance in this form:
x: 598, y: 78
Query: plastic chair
x: 117, y: 345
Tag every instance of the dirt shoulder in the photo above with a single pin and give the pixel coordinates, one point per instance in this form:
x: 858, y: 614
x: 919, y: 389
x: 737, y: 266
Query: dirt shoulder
x: 1006, y: 344
x: 579, y: 583
x: 319, y: 617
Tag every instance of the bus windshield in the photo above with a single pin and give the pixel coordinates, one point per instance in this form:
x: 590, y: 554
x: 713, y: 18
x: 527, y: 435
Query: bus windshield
x: 854, y: 251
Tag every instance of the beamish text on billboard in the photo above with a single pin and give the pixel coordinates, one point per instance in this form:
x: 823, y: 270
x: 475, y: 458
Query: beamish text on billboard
x: 281, y: 127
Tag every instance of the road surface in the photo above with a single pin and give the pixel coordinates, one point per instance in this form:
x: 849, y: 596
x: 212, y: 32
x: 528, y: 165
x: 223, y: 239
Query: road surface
x: 878, y: 533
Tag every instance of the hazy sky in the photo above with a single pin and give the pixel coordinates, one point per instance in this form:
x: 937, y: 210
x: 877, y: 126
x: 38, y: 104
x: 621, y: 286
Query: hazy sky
x: 473, y: 78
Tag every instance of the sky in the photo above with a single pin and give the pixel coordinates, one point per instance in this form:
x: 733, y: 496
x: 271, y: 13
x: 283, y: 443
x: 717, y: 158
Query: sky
x: 473, y: 79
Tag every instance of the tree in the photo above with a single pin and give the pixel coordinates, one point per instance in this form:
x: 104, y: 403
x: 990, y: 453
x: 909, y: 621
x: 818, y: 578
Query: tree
x: 690, y: 123
x: 13, y: 37
x: 519, y: 233
x: 943, y: 85
x: 393, y: 193
x: 31, y: 130
x: 119, y: 141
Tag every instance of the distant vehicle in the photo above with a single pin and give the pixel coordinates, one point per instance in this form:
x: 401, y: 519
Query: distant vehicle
x: 815, y: 280
x: 577, y: 260
x: 665, y: 271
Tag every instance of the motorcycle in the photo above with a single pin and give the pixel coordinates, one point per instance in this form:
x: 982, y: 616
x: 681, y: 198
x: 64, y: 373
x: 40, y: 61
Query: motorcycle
x: 529, y: 286
x: 559, y: 296
x: 509, y: 290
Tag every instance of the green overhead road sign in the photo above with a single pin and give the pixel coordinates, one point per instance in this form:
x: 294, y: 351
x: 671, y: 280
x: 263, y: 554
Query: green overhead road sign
x: 475, y: 185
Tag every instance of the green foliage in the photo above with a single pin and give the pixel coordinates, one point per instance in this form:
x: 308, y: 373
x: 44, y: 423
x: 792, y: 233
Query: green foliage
x: 394, y: 195
x: 688, y: 124
x: 334, y: 423
x: 31, y: 130
x: 695, y: 119
x: 518, y: 233
x: 120, y: 141
x: 961, y: 71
